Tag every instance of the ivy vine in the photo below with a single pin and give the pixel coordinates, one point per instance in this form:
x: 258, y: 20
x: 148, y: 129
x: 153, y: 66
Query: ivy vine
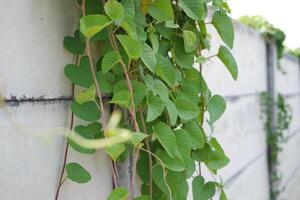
x: 276, y: 112
x: 144, y: 59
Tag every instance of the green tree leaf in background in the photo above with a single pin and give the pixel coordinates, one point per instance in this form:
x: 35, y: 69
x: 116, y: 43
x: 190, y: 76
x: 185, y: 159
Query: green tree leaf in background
x: 223, y: 25
x: 77, y: 173
x: 174, y: 164
x: 228, y: 60
x: 216, y: 107
x: 90, y: 25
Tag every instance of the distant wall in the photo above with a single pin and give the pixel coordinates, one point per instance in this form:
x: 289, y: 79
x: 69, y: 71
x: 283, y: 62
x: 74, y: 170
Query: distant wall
x: 32, y: 81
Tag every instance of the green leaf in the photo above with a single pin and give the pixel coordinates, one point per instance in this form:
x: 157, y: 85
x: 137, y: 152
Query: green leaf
x: 74, y: 44
x: 161, y: 10
x: 223, y: 195
x: 193, y: 9
x: 122, y: 98
x: 183, y: 59
x: 189, y: 39
x: 184, y: 144
x: 90, y: 25
x: 174, y: 164
x: 87, y: 95
x: 77, y: 173
x: 133, y: 47
x: 158, y: 179
x: 217, y: 160
x: 114, y: 9
x: 148, y: 58
x: 157, y: 87
x: 216, y: 107
x: 166, y: 137
x: 155, y: 108
x: 85, y: 132
x: 119, y: 193
x: 202, y: 191
x: 129, y: 26
x: 172, y: 111
x: 87, y: 111
x: 105, y: 82
x: 115, y: 151
x: 81, y: 75
x: 139, y: 90
x: 228, y: 60
x: 196, y: 134
x: 223, y: 25
x: 144, y: 197
x: 165, y: 70
x: 110, y: 59
x: 137, y: 138
x: 186, y: 108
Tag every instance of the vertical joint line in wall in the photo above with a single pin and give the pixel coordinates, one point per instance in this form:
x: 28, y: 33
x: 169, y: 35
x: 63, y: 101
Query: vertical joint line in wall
x: 271, y: 65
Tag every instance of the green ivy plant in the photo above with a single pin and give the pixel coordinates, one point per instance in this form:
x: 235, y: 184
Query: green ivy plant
x: 275, y: 130
x: 144, y: 59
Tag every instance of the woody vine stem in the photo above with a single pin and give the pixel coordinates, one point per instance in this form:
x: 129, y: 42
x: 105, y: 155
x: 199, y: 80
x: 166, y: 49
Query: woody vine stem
x: 141, y: 55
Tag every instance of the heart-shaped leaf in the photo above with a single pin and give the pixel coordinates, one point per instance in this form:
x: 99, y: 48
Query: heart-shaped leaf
x: 81, y: 75
x: 74, y: 44
x: 87, y: 111
x: 133, y: 47
x: 228, y: 60
x: 129, y: 26
x: 77, y: 173
x: 201, y: 190
x: 110, y: 59
x: 90, y: 25
x: 137, y: 138
x: 122, y: 98
x: 114, y: 9
x: 166, y: 137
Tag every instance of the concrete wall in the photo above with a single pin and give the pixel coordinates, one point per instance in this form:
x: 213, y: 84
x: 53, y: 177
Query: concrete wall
x: 32, y: 81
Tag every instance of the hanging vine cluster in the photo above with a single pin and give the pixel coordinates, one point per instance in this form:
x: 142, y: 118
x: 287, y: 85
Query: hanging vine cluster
x: 143, y: 58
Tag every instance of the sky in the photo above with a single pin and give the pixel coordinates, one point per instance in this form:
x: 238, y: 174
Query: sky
x: 284, y: 14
